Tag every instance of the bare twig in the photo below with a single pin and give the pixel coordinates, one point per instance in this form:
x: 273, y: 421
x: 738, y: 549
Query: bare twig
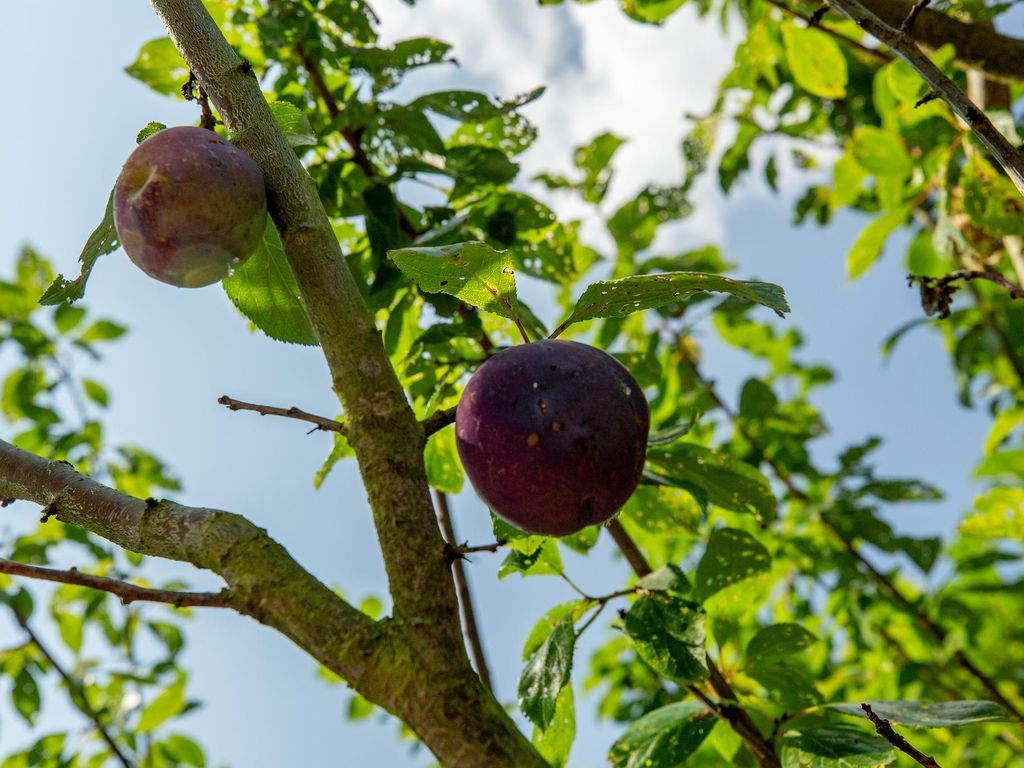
x: 127, y: 592
x: 75, y: 690
x: 629, y: 549
x: 462, y: 549
x: 937, y: 292
x: 1009, y: 157
x: 907, y: 27
x: 438, y: 420
x: 321, y: 422
x: 476, y: 647
x: 885, y: 730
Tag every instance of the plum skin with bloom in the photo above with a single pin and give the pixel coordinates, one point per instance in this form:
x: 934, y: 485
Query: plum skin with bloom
x: 553, y: 435
x: 189, y: 206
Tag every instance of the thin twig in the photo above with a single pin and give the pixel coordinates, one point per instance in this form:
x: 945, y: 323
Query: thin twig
x: 1009, y: 157
x: 476, y: 647
x: 438, y: 420
x: 629, y: 549
x: 885, y: 730
x: 463, y: 549
x: 814, y: 21
x: 76, y: 690
x: 907, y: 27
x: 321, y: 422
x: 127, y: 592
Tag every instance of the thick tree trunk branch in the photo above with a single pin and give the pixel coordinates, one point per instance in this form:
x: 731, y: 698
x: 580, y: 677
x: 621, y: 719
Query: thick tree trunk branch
x: 401, y: 668
x: 1008, y: 156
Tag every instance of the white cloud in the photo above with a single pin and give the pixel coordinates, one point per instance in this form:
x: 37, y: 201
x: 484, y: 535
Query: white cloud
x: 602, y: 72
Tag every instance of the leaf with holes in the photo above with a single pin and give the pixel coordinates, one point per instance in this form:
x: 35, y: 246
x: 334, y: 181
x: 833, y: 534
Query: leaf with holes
x: 472, y: 272
x: 616, y: 298
x: 835, y: 747
x: 722, y: 479
x: 663, y: 738
x: 668, y: 633
x: 929, y: 714
x: 546, y: 673
x: 731, y: 556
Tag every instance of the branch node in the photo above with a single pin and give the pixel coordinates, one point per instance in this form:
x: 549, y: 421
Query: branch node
x: 49, y: 511
x: 885, y: 730
x: 818, y: 15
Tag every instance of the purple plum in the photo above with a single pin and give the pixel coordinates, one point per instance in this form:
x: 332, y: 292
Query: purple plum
x: 553, y: 435
x: 189, y: 206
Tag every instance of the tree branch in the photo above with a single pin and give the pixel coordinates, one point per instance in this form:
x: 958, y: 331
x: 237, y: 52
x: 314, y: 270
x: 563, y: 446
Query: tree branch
x: 476, y: 647
x: 321, y: 422
x: 885, y: 730
x: 737, y: 717
x: 1008, y: 156
x: 1001, y: 57
x: 127, y: 592
x: 438, y: 420
x: 75, y: 690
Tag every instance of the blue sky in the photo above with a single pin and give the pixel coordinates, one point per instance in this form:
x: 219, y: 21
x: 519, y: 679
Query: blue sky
x: 71, y: 120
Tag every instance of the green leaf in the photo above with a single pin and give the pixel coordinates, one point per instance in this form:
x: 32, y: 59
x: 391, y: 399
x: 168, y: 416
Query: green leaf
x: 532, y: 556
x: 998, y: 514
x: 444, y: 470
x: 870, y: 242
x: 263, y: 289
x: 835, y: 747
x: 340, y: 449
x: 471, y: 106
x: 881, y: 152
x: 181, y: 750
x: 664, y: 510
x: 102, y: 241
x: 594, y: 160
x: 102, y: 330
x: 731, y: 556
x: 169, y: 703
x: 555, y: 742
x: 668, y: 634
x: 816, y: 61
x: 663, y: 738
x: 70, y: 627
x: 778, y: 641
x: 544, y: 626
x: 546, y: 673
x: 96, y: 392
x: 725, y: 481
x: 990, y: 199
x: 160, y: 66
x: 473, y: 272
x: 25, y: 695
x: 668, y: 578
x: 148, y: 130
x: 294, y: 124
x: 388, y: 65
x: 67, y: 317
x: 929, y: 714
x: 616, y: 298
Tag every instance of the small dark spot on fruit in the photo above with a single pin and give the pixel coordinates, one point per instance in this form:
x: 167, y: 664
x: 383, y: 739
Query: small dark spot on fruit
x: 554, y: 367
x: 557, y: 426
x: 543, y: 406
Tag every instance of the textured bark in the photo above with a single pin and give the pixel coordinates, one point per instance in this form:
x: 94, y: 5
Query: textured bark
x: 412, y: 664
